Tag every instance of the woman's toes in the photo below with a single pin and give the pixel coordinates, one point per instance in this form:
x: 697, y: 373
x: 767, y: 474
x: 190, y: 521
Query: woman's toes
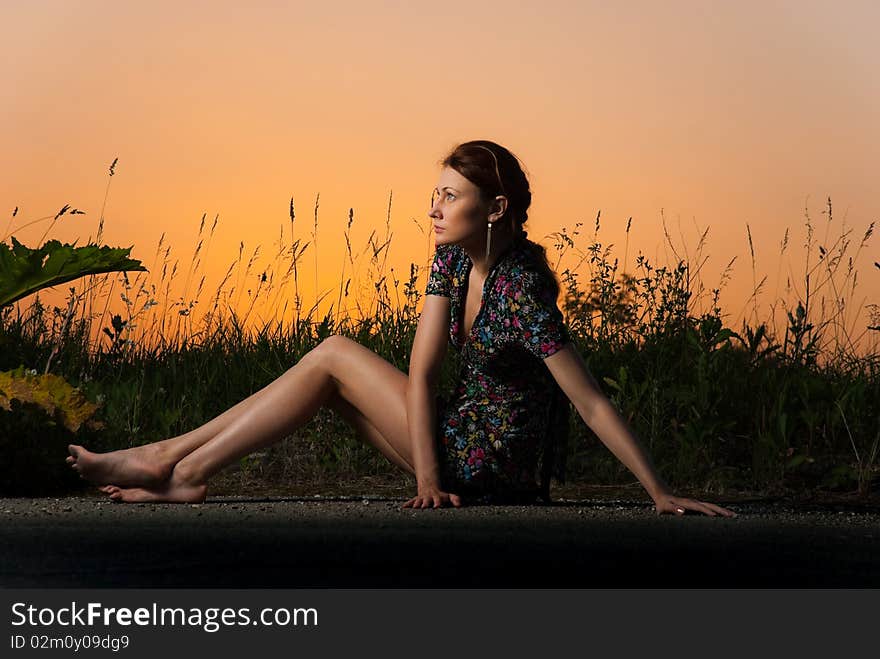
x: 70, y: 459
x: 73, y: 449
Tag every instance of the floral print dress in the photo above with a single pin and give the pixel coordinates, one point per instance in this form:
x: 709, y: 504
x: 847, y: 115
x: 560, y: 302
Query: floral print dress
x: 503, y: 429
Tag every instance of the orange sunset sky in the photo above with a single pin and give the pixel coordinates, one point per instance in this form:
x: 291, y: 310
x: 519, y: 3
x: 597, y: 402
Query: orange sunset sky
x: 716, y: 114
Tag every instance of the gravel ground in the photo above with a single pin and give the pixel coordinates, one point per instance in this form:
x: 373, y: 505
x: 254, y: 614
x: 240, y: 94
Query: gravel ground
x: 321, y: 541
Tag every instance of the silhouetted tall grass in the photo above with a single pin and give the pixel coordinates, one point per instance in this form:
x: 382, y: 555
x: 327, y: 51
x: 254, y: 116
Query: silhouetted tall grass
x: 749, y: 408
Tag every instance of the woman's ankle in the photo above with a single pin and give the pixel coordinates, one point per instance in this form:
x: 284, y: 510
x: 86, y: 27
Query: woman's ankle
x: 186, y: 474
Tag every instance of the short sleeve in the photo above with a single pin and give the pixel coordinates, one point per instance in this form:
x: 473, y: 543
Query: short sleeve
x: 440, y: 274
x: 538, y: 323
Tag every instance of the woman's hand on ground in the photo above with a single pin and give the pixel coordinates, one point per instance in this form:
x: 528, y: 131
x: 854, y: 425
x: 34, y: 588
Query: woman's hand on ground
x: 433, y: 497
x: 667, y: 503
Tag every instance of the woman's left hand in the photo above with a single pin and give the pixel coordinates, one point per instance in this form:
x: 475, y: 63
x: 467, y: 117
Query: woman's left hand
x: 667, y: 503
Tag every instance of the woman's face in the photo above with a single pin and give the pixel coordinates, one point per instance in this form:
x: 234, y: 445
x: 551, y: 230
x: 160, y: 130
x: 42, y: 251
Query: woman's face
x: 458, y: 214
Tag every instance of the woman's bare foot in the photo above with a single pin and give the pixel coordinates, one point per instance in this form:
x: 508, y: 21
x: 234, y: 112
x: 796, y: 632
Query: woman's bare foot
x: 141, y: 466
x: 173, y: 490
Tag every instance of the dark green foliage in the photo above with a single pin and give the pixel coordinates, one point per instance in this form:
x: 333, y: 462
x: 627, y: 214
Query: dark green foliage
x: 24, y: 270
x: 718, y: 417
x: 34, y: 446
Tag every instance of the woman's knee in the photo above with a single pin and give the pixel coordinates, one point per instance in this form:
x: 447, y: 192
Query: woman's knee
x: 331, y: 349
x: 324, y: 351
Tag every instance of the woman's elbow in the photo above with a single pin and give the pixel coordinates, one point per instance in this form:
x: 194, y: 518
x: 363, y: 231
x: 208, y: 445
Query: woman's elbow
x: 588, y: 402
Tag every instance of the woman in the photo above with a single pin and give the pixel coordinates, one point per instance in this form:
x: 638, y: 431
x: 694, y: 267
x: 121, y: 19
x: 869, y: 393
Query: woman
x: 492, y: 295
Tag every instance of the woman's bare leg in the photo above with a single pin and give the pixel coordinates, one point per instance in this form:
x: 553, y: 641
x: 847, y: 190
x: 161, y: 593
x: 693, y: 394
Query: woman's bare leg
x: 151, y: 463
x: 340, y: 373
x: 183, y: 445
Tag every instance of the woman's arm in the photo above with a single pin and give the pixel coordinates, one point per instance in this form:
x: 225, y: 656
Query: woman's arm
x: 421, y: 414
x: 600, y: 415
x: 428, y: 351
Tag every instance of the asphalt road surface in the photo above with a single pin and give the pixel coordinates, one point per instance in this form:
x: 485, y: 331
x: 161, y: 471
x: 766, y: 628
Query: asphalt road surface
x: 321, y: 542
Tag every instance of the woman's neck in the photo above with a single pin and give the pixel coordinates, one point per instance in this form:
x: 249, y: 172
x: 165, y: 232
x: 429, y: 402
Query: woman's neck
x: 481, y: 266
